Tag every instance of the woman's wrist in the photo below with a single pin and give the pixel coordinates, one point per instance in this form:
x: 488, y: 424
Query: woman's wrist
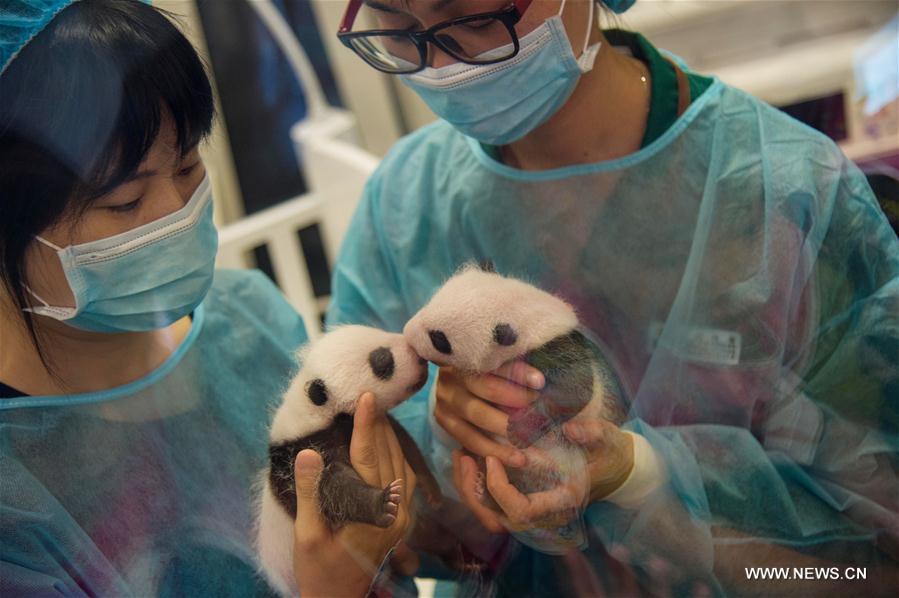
x: 610, y: 481
x: 647, y: 473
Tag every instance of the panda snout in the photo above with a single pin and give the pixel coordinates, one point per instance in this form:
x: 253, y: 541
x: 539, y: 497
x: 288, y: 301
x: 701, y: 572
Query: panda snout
x: 440, y: 342
x: 382, y: 363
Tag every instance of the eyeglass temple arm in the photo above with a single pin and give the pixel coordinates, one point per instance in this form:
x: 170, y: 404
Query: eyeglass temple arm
x: 352, y: 9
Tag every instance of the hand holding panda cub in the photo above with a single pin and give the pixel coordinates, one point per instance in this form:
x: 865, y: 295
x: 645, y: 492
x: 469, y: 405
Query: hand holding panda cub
x: 479, y: 321
x: 317, y: 413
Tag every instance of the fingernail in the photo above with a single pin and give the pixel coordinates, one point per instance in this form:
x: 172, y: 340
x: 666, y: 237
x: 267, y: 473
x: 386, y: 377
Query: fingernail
x: 519, y: 459
x: 535, y: 380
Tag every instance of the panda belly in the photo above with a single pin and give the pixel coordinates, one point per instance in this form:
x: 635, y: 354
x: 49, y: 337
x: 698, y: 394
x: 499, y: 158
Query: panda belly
x: 577, y: 388
x: 552, y: 457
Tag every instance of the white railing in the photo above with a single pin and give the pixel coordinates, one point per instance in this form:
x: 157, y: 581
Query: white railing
x: 335, y: 170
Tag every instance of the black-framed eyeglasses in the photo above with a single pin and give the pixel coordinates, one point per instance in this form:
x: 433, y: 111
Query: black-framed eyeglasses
x: 483, y: 38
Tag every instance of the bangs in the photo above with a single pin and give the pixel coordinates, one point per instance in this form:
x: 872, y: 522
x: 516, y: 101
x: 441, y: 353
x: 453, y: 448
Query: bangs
x: 110, y: 74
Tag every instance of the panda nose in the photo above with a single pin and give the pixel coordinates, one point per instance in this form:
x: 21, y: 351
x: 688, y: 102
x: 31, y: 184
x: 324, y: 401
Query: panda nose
x: 440, y: 342
x: 381, y: 362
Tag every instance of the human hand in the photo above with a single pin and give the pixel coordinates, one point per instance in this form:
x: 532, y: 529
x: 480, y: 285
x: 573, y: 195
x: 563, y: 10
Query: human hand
x: 344, y: 563
x: 610, y: 458
x: 471, y: 407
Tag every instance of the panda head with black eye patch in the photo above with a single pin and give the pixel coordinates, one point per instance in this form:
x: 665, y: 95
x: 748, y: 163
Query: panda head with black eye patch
x: 479, y: 320
x: 338, y: 368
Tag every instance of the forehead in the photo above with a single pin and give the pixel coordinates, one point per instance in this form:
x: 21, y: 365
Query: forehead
x: 424, y: 7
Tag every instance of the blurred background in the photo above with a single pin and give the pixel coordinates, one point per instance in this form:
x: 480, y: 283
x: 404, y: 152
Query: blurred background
x: 303, y: 121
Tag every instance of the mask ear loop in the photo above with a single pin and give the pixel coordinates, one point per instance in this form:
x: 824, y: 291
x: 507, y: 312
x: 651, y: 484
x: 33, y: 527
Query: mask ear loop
x: 40, y: 239
x: 43, y: 241
x: 589, y: 24
x: 36, y: 296
x: 589, y: 27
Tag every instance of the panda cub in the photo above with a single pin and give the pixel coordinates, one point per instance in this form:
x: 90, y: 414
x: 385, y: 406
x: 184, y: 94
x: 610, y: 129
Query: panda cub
x: 479, y: 320
x: 317, y: 413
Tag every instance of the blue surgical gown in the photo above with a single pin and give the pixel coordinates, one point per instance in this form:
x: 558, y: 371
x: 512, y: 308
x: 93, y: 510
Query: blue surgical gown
x: 146, y: 489
x: 746, y: 285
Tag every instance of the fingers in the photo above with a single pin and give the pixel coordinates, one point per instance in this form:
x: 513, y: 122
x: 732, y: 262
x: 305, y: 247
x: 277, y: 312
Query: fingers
x: 500, y: 391
x: 475, y: 441
x: 397, y: 458
x: 521, y: 373
x: 465, y: 471
x: 385, y: 464
x: 310, y: 527
x: 363, y: 444
x: 478, y: 412
x: 523, y: 509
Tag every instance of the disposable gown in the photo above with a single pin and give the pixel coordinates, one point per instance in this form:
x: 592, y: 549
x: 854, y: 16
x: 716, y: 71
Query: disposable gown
x: 146, y: 489
x: 746, y: 285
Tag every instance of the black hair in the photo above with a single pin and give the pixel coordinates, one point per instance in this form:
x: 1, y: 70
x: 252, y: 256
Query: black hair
x: 80, y: 107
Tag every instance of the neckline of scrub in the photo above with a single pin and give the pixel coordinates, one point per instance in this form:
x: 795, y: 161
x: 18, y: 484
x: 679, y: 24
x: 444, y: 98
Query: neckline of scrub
x: 633, y: 159
x: 117, y: 392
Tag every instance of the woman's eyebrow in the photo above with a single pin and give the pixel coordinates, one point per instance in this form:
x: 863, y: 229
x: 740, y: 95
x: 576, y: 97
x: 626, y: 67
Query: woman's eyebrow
x: 140, y: 175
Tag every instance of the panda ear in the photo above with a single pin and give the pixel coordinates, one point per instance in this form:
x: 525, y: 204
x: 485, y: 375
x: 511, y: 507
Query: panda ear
x: 317, y: 391
x: 505, y: 335
x: 487, y: 266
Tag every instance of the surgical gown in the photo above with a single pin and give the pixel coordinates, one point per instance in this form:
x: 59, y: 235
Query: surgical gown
x: 146, y: 489
x: 746, y: 285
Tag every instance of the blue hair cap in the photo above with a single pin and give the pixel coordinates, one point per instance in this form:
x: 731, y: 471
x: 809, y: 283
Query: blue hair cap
x: 618, y: 6
x: 21, y: 20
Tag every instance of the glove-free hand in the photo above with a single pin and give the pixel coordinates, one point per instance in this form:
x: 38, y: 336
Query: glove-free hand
x: 343, y: 563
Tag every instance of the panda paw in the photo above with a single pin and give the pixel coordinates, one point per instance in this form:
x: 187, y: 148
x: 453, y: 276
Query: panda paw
x: 390, y: 504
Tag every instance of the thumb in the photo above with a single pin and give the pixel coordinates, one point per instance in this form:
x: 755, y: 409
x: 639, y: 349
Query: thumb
x: 363, y: 446
x: 310, y: 526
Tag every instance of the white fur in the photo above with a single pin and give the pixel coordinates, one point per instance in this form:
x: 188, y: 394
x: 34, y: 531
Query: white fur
x: 341, y: 360
x: 468, y: 307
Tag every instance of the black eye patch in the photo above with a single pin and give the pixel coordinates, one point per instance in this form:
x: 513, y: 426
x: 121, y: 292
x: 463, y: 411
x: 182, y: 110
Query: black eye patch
x: 440, y: 342
x: 381, y: 362
x: 504, y: 335
x: 317, y: 391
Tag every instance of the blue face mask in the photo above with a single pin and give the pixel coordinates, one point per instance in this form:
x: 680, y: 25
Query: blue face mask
x: 142, y: 279
x: 501, y: 103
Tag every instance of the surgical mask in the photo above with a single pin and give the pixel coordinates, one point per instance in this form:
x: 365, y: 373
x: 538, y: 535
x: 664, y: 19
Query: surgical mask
x: 142, y: 279
x: 501, y: 103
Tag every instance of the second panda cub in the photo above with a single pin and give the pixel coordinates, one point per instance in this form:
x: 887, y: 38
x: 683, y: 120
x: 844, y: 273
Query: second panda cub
x: 317, y: 413
x: 479, y: 320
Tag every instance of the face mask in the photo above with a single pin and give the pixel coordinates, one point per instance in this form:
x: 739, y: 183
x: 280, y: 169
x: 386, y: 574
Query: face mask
x: 142, y: 279
x: 501, y: 103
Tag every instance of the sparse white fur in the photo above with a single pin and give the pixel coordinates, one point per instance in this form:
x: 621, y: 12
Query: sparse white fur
x: 471, y: 303
x: 340, y: 359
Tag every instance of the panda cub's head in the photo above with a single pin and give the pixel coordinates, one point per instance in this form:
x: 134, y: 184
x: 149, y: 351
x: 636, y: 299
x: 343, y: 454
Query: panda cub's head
x: 478, y: 320
x: 335, y: 371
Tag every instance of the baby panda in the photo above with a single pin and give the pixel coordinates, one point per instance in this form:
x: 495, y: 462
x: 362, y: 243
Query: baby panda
x: 317, y: 413
x: 479, y: 320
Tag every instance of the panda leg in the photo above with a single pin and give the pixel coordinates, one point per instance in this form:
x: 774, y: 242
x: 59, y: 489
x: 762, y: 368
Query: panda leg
x: 345, y: 497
